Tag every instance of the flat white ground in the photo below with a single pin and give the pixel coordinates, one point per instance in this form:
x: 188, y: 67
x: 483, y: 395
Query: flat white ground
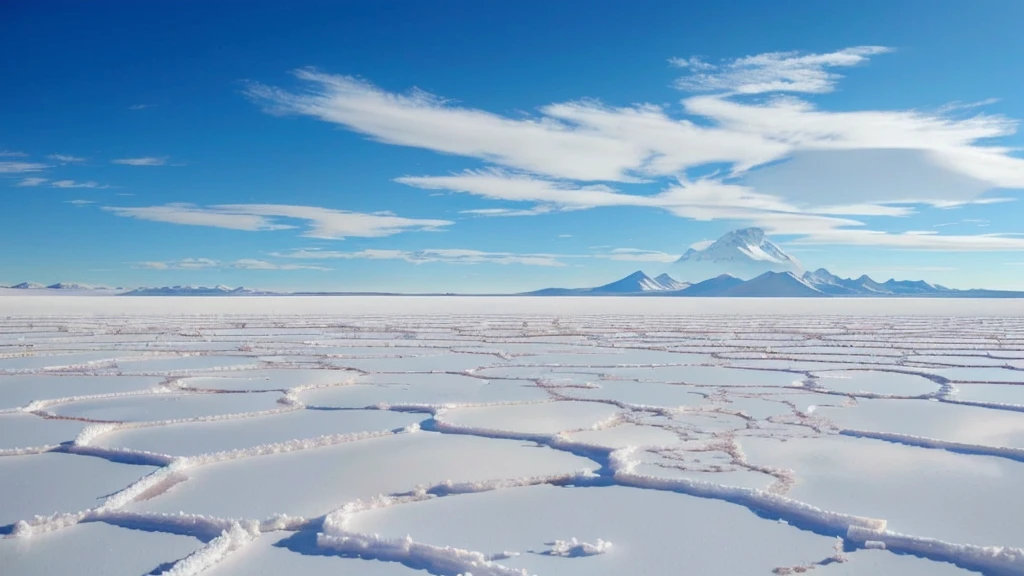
x: 510, y: 436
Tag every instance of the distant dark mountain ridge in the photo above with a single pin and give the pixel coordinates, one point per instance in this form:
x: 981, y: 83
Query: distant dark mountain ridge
x: 817, y: 284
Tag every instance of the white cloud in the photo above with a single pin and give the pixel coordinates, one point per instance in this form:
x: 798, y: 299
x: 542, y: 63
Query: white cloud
x: 12, y: 154
x: 701, y: 244
x: 144, y: 161
x: 74, y: 184
x: 773, y: 71
x: 322, y: 222
x: 64, y: 158
x: 190, y: 215
x: 699, y: 200
x: 499, y: 212
x: 183, y: 264
x: 19, y: 167
x: 445, y: 255
x: 916, y: 240
x: 637, y: 255
x: 140, y: 106
x: 207, y: 264
x: 79, y: 202
x: 337, y: 224
x: 30, y: 182
x: 251, y: 264
x: 787, y: 165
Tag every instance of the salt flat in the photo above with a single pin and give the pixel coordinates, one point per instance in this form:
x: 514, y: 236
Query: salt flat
x: 510, y: 436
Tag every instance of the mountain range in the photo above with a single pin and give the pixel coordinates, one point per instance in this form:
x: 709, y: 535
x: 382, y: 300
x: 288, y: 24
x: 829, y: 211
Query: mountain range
x: 818, y: 284
x: 745, y: 263
x: 742, y: 263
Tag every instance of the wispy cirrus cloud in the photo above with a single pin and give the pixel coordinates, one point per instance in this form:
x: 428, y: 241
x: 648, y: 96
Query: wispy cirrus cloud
x: 699, y: 200
x: 325, y: 223
x: 17, y: 167
x: 917, y: 240
x: 444, y: 255
x: 781, y: 162
x: 208, y: 264
x: 12, y: 154
x: 75, y: 184
x: 31, y: 182
x: 79, y: 202
x: 638, y: 255
x: 65, y: 158
x: 577, y: 140
x: 143, y: 161
x: 772, y: 71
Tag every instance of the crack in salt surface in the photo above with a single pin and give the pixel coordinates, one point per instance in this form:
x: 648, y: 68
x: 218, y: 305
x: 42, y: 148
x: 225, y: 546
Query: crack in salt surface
x: 508, y: 341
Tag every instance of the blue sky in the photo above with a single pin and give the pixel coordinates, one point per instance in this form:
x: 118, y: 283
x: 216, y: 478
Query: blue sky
x: 485, y: 146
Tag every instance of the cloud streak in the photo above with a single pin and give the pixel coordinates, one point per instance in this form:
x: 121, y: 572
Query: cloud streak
x: 772, y: 71
x: 444, y: 255
x: 210, y: 264
x: 325, y: 223
x: 144, y: 161
x: 17, y: 167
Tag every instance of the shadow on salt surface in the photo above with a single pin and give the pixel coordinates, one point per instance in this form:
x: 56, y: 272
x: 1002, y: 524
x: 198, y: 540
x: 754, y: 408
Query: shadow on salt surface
x: 435, y: 363
x: 982, y: 375
x: 604, y: 356
x: 194, y: 438
x: 858, y: 351
x: 930, y: 493
x: 272, y: 555
x: 949, y: 422
x: 94, y: 548
x: 651, y: 532
x: 875, y: 382
x: 18, y: 391
x: 648, y: 393
x: 21, y: 430
x: 626, y: 435
x: 883, y: 563
x: 168, y: 406
x: 538, y: 372
x: 802, y: 398
x: 186, y: 363
x: 41, y: 484
x: 47, y: 362
x: 273, y: 379
x: 313, y: 482
x: 741, y: 477
x: 546, y: 418
x: 706, y: 375
x: 422, y: 389
x: 978, y: 361
x: 998, y: 393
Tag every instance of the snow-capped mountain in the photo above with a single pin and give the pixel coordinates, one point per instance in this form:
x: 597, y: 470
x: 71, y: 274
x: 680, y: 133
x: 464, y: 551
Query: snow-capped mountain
x: 635, y: 282
x: 219, y: 290
x: 28, y: 286
x: 670, y: 283
x: 745, y: 253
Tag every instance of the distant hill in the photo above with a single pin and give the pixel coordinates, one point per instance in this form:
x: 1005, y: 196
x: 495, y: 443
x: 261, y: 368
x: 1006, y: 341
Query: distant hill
x: 196, y: 291
x: 635, y: 283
